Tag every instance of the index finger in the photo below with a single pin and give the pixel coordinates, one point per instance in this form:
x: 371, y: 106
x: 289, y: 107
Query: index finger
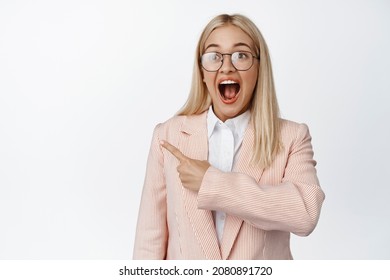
x: 173, y: 150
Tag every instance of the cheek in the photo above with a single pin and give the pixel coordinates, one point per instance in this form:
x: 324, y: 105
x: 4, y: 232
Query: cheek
x: 205, y: 76
x: 209, y: 81
x: 252, y: 80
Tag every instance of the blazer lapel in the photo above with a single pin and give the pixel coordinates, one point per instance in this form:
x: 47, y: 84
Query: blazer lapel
x: 194, y: 144
x: 242, y: 165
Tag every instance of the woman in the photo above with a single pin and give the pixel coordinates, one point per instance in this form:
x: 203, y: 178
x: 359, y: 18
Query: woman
x: 227, y: 178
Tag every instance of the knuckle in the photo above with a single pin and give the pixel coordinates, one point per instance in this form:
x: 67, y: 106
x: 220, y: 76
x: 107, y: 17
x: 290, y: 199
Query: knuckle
x: 180, y: 169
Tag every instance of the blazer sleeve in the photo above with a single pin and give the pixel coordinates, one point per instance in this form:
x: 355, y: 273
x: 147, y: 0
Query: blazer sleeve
x: 293, y: 205
x: 152, y: 233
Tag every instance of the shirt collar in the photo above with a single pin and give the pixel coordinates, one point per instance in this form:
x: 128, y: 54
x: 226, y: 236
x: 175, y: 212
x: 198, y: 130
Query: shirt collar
x: 237, y: 124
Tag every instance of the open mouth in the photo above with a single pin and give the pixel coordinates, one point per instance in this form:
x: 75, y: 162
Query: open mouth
x: 229, y: 91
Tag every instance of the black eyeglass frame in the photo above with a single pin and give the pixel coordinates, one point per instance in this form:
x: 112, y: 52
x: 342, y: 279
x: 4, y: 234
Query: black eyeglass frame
x: 223, y: 55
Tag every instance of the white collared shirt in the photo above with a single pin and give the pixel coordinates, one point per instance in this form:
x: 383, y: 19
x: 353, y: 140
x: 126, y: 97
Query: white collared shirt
x: 225, y: 140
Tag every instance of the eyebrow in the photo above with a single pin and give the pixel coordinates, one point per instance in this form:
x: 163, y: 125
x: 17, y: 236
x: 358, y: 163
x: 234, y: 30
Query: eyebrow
x: 235, y: 45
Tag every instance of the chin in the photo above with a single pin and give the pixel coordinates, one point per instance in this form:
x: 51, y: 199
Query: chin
x: 228, y: 113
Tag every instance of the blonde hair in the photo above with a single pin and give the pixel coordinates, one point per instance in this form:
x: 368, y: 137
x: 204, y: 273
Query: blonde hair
x: 264, y: 106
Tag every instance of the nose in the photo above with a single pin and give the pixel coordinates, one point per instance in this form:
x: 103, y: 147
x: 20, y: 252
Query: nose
x: 227, y: 65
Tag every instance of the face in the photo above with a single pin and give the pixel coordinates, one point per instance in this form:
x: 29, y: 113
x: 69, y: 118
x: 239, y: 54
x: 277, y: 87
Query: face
x: 230, y: 90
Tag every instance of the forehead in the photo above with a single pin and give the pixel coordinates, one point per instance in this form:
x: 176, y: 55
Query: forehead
x: 228, y: 37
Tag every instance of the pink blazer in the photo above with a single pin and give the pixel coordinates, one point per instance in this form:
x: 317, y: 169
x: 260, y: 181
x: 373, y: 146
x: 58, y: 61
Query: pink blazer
x: 263, y: 205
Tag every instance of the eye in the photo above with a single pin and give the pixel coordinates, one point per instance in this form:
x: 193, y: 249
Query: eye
x: 213, y: 57
x: 241, y: 55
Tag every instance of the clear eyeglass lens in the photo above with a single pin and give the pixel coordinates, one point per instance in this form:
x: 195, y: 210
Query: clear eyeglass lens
x: 212, y: 61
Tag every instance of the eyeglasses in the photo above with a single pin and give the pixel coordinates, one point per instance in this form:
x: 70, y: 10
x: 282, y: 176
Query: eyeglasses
x: 212, y: 61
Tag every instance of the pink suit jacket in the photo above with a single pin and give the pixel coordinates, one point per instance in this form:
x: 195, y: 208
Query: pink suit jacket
x: 263, y: 205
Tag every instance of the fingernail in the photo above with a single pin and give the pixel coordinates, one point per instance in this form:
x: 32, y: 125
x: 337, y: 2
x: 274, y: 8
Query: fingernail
x: 161, y: 142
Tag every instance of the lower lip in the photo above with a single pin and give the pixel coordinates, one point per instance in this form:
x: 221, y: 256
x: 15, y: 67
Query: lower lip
x: 229, y: 101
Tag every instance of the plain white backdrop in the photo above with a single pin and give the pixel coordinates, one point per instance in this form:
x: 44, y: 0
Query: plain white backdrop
x: 83, y: 83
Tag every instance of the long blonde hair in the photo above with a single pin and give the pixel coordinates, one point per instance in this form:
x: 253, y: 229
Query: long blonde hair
x: 264, y: 106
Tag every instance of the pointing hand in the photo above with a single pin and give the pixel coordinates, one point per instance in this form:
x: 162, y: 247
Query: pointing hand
x: 191, y: 171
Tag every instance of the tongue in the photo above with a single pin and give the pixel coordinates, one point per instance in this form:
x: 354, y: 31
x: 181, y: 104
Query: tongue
x: 230, y: 91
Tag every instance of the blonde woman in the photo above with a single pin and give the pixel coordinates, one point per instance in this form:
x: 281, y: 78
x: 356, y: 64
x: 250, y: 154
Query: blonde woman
x: 226, y: 178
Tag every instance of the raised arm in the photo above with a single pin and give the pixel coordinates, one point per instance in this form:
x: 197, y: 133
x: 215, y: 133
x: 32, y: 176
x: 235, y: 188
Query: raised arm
x: 293, y: 205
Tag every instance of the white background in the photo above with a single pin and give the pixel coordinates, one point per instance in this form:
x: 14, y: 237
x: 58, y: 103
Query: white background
x: 83, y: 83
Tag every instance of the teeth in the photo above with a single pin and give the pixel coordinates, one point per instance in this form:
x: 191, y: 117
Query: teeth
x: 228, y: 82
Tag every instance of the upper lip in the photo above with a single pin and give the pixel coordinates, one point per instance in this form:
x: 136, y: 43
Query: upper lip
x: 228, y: 79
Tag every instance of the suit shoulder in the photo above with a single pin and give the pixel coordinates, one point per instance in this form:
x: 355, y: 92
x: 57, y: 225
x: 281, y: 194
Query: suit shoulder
x: 184, y: 123
x: 175, y: 121
x: 293, y: 130
x: 172, y: 124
